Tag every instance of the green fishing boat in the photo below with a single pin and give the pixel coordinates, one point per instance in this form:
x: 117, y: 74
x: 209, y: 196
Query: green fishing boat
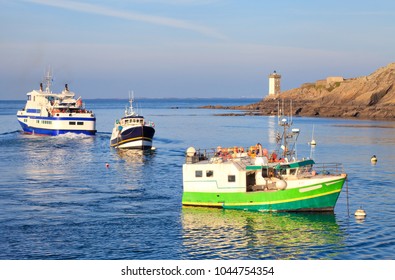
x: 253, y: 179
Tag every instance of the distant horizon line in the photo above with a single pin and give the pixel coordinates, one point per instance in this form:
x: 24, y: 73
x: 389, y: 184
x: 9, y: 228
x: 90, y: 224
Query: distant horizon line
x: 121, y: 98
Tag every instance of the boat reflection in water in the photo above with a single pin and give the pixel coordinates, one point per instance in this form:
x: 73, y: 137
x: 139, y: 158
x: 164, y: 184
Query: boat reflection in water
x: 135, y: 156
x: 231, y: 234
x: 132, y: 167
x: 54, y: 158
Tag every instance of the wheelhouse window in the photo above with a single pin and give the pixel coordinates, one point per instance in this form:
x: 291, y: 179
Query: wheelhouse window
x: 198, y: 173
x: 231, y: 178
x: 80, y: 123
x: 71, y: 123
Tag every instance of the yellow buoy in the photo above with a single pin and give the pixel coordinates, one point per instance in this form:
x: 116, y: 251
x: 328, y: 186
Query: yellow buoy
x: 360, y: 214
x: 373, y: 159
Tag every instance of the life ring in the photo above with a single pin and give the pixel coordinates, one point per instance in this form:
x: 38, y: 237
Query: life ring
x: 252, y: 151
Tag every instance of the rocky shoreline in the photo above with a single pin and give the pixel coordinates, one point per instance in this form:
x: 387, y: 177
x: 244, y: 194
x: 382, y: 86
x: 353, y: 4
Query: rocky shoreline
x: 367, y: 97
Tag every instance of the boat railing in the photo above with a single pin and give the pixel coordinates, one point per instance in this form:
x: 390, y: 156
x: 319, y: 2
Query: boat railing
x: 332, y: 168
x: 149, y: 123
x: 220, y: 154
x: 200, y: 155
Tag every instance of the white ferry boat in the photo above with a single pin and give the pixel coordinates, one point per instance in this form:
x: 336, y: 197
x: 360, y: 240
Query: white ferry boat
x: 48, y: 113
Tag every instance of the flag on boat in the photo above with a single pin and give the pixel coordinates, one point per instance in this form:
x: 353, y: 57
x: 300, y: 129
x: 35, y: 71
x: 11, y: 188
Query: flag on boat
x: 78, y: 102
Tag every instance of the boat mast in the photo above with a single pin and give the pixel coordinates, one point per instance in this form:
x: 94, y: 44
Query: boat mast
x: 287, y: 138
x: 130, y: 110
x: 48, y: 80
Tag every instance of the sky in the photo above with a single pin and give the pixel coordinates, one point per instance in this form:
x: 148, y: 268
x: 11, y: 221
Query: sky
x: 189, y: 48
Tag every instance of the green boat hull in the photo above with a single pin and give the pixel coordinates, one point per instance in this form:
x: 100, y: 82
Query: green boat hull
x: 322, y: 197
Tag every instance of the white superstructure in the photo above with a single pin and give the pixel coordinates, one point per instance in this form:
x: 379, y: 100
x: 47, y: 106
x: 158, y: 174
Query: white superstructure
x: 49, y: 113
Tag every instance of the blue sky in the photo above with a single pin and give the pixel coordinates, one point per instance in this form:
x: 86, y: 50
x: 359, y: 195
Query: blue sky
x: 189, y: 48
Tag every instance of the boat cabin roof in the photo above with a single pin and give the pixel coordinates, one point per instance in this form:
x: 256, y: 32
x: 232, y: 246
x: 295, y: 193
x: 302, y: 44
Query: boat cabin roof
x: 132, y: 117
x: 295, y: 164
x: 280, y: 166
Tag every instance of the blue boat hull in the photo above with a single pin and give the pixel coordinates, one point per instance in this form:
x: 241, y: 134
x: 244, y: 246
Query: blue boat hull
x: 53, y: 132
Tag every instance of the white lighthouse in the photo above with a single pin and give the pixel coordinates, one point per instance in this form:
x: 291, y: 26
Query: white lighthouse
x: 274, y: 83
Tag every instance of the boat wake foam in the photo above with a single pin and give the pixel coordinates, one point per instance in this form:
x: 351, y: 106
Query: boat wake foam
x: 71, y: 135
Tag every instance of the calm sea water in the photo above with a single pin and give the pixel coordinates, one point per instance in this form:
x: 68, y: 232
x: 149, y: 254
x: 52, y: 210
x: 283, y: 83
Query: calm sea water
x: 59, y: 201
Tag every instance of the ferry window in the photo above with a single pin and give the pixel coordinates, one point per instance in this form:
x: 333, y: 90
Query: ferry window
x: 231, y: 178
x: 71, y: 123
x: 198, y: 173
x: 80, y: 123
x: 209, y: 173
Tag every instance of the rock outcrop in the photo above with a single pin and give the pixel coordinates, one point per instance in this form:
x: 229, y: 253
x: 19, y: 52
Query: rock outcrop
x: 367, y: 97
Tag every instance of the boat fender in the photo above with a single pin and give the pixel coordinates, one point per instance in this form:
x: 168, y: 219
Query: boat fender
x: 281, y: 185
x: 191, y: 152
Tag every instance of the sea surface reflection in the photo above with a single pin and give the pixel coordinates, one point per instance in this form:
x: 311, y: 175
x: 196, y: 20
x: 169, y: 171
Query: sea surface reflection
x: 226, y: 234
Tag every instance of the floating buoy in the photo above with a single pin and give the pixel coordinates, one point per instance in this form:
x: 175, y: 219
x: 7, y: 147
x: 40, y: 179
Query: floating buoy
x: 360, y: 214
x: 373, y: 159
x: 107, y: 165
x: 312, y: 143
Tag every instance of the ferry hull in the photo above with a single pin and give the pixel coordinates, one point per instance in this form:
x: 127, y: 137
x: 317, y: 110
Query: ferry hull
x: 308, y: 198
x: 57, y: 130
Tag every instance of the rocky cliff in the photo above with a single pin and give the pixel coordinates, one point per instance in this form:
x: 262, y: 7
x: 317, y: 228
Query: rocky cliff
x: 367, y: 97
